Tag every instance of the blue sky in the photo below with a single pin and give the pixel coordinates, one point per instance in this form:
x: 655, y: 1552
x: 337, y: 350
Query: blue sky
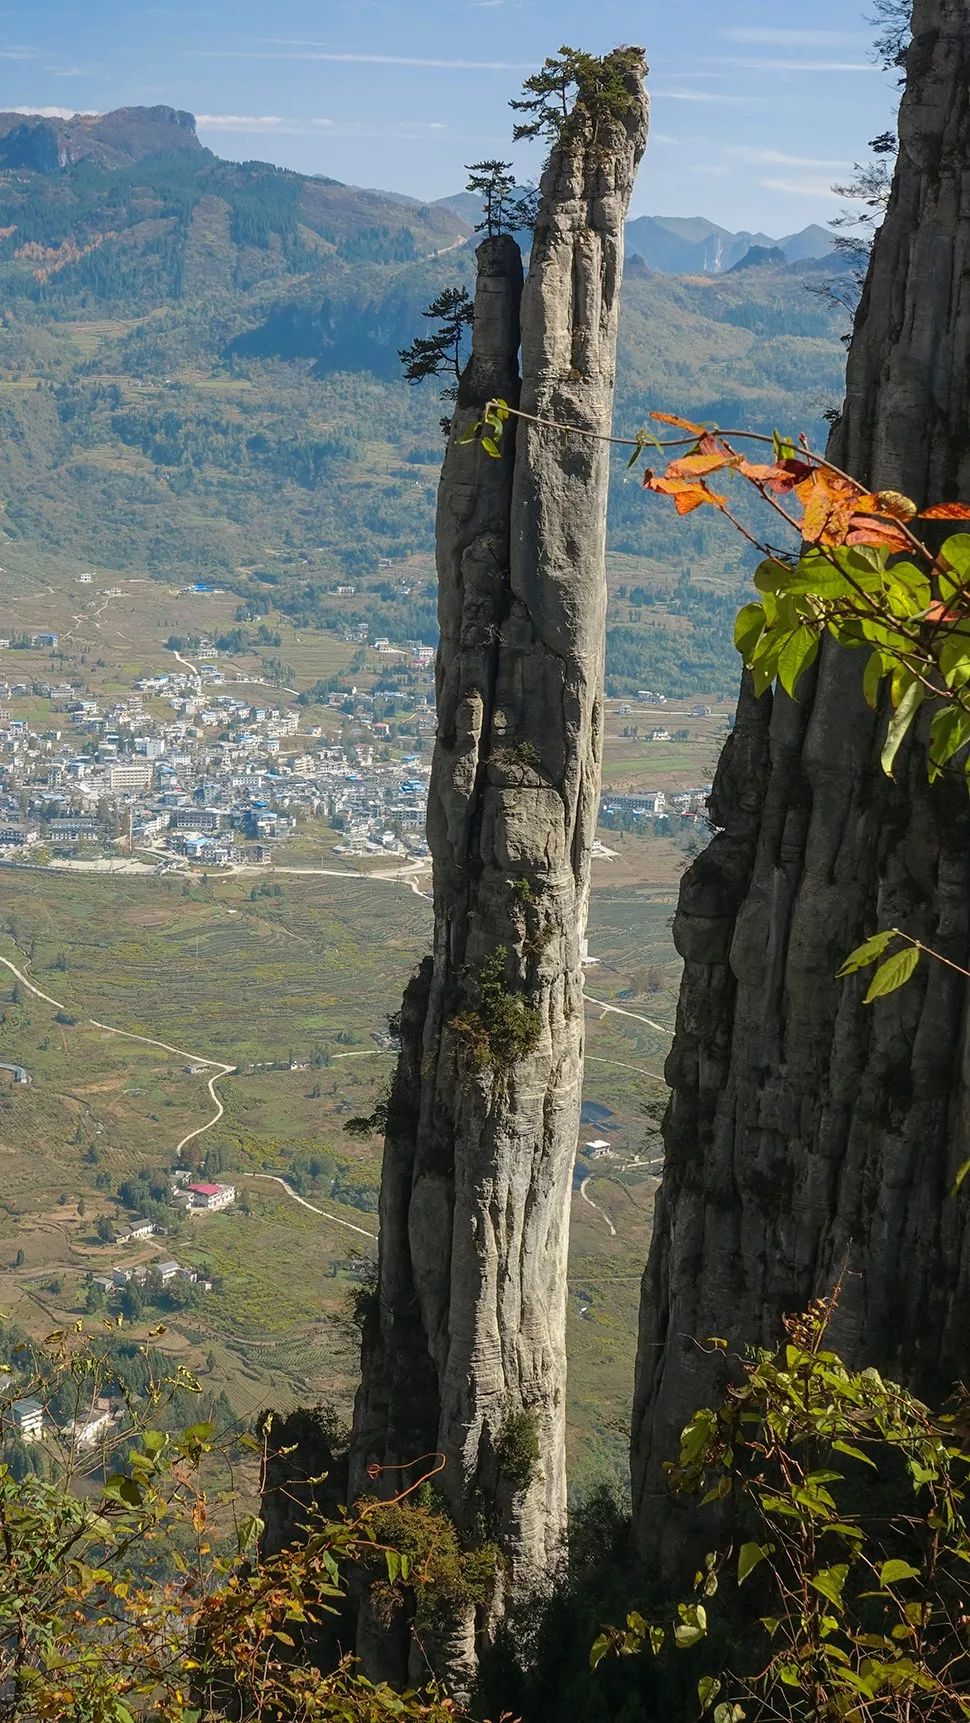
x: 753, y: 115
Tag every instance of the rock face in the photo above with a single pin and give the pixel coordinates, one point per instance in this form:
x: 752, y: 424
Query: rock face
x: 464, y: 1351
x: 809, y: 1137
x: 47, y: 144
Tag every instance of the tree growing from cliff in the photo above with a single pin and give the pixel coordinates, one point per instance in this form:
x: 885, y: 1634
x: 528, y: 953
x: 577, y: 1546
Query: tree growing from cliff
x: 569, y: 83
x: 504, y: 209
x: 442, y: 353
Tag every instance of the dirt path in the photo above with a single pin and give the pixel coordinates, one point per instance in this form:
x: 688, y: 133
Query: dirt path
x: 218, y: 1068
x: 618, y: 1011
x: 273, y: 1178
x: 600, y: 1211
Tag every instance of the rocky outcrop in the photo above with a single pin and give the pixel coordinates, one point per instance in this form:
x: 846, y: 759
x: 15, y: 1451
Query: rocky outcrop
x: 47, y: 143
x: 464, y: 1350
x: 810, y: 1138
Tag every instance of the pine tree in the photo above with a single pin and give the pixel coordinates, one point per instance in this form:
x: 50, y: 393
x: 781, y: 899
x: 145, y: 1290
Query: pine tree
x: 440, y: 354
x: 503, y: 212
x: 551, y: 96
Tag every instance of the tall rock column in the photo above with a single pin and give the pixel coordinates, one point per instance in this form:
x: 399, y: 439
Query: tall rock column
x: 809, y: 1137
x: 464, y: 1352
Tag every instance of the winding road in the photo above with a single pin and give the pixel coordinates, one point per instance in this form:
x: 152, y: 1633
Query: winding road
x: 274, y: 1178
x: 600, y: 1211
x: 215, y: 1065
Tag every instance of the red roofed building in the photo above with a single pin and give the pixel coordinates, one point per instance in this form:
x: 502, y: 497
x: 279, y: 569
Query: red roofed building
x: 212, y: 1196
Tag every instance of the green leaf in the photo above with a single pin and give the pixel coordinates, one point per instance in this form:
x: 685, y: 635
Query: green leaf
x: 855, y: 1454
x: 899, y: 723
x: 749, y: 1555
x: 872, y: 677
x: 748, y: 628
x: 491, y: 448
x: 599, y: 1649
x: 949, y: 732
x: 393, y: 1561
x: 798, y: 652
x: 471, y: 435
x: 867, y: 953
x: 708, y: 1688
x: 961, y: 1175
x: 692, y: 1626
x: 956, y: 554
x: 892, y: 1572
x: 726, y: 1713
x: 772, y: 575
x: 830, y: 1581
x: 892, y: 974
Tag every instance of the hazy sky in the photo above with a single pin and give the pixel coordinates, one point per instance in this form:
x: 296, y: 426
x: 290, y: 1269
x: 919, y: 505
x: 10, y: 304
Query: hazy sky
x: 752, y: 119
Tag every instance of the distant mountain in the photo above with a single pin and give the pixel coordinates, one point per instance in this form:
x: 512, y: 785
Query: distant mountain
x: 126, y: 135
x: 812, y: 241
x: 692, y: 245
x: 199, y: 378
x: 758, y: 256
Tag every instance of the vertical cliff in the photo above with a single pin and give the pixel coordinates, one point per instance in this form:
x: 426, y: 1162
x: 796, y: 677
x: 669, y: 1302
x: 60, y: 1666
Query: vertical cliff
x: 808, y: 1135
x: 464, y: 1351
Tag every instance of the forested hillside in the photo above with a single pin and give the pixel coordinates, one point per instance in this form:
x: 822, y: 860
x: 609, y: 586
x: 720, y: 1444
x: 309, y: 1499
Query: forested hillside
x: 199, y: 379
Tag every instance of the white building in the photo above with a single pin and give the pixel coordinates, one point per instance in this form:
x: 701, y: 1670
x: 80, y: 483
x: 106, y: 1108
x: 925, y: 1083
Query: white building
x: 28, y: 1419
x: 212, y: 1197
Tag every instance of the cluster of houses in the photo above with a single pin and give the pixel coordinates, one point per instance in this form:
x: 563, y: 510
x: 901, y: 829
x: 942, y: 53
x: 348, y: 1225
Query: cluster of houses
x: 30, y: 1421
x: 187, y: 767
x: 138, y: 1275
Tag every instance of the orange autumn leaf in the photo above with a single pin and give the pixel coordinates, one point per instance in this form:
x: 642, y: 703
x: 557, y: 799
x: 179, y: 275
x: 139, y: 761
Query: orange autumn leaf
x: 687, y: 496
x: 939, y: 612
x: 946, y: 511
x: 696, y: 466
x: 682, y: 424
x: 869, y: 504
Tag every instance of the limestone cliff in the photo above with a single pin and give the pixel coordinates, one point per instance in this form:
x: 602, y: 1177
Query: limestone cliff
x: 464, y: 1351
x: 807, y: 1135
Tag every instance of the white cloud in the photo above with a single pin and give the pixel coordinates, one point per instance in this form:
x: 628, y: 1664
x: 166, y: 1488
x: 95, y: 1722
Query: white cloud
x: 799, y: 188
x: 239, y: 122
x: 18, y: 53
x: 697, y: 96
x: 309, y: 51
x: 777, y: 158
x: 803, y: 65
x: 784, y: 38
x: 53, y: 113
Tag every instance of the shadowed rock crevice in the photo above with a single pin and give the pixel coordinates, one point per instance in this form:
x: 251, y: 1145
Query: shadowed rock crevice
x: 808, y: 1136
x: 464, y: 1353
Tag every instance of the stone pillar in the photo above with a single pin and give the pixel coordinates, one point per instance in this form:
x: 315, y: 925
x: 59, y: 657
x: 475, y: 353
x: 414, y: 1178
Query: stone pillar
x: 810, y: 1137
x: 464, y: 1352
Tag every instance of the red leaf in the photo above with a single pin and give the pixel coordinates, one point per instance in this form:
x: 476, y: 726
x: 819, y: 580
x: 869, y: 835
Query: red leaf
x: 946, y: 511
x: 882, y: 533
x: 682, y: 424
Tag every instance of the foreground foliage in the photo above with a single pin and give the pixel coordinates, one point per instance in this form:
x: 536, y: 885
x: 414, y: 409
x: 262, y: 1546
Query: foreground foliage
x: 131, y: 1583
x: 847, y: 1508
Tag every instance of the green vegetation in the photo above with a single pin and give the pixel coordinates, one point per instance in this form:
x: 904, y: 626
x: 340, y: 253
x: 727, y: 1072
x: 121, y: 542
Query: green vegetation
x: 501, y: 1027
x: 121, y: 1558
x: 429, y: 1570
x: 206, y: 386
x: 854, y: 1575
x: 517, y: 1448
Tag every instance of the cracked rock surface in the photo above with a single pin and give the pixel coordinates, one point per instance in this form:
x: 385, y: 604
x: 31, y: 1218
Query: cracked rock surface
x: 464, y: 1350
x: 810, y: 1138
